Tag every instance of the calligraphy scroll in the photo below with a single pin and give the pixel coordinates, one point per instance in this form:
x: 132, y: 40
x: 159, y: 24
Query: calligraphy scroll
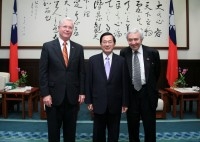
x: 38, y: 20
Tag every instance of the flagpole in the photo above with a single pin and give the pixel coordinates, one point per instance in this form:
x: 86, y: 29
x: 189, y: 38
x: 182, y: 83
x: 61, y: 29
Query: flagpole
x: 13, y: 62
x: 172, y: 65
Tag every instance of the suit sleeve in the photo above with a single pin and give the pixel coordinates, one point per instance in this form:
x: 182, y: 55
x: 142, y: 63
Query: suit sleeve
x: 126, y: 91
x: 157, y: 67
x: 43, y: 72
x: 88, y: 98
x: 82, y: 72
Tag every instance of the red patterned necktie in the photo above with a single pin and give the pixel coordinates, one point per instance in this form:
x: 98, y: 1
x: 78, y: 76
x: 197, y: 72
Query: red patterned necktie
x: 65, y: 54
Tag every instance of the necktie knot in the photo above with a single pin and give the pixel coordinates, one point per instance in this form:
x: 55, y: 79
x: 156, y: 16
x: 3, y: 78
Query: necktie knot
x: 64, y: 43
x: 136, y: 52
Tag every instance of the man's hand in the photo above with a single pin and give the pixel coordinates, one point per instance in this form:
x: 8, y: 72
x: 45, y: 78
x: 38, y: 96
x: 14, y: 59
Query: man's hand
x: 90, y: 107
x: 81, y: 99
x: 47, y: 100
x: 124, y: 109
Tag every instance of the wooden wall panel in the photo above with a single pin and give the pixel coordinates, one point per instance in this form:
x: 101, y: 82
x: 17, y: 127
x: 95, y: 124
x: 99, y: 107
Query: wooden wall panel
x: 32, y: 67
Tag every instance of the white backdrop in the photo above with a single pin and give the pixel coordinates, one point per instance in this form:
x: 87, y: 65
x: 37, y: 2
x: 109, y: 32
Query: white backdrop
x: 38, y: 20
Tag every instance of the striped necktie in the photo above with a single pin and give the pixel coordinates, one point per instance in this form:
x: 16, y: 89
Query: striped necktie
x: 65, y: 54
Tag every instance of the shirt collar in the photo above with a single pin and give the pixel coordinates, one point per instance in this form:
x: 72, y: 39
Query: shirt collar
x: 140, y: 50
x: 110, y: 56
x: 61, y: 42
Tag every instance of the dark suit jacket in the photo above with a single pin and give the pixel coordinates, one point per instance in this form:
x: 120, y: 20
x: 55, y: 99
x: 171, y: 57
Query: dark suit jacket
x: 152, y: 70
x: 55, y: 78
x: 103, y: 93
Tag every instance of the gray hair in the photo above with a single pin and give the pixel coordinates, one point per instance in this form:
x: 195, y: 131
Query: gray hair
x: 65, y: 19
x: 135, y: 30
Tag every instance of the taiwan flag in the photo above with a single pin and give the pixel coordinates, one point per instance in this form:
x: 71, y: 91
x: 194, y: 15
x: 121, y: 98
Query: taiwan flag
x: 172, y: 65
x: 13, y: 64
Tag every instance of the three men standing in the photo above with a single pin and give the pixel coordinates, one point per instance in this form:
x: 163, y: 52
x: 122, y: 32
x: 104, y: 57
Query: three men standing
x: 114, y: 85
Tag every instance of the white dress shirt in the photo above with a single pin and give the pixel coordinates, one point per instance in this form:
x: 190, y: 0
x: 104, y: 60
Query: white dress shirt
x: 68, y: 46
x: 110, y: 58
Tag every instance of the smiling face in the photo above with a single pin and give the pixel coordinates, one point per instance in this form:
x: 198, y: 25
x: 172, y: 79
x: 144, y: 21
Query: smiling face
x: 134, y: 40
x: 65, y: 29
x: 107, y: 44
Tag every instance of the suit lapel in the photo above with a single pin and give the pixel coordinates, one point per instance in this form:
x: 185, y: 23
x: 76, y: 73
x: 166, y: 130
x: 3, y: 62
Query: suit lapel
x: 101, y: 65
x: 146, y: 62
x: 72, y: 52
x: 58, y: 51
x: 129, y: 61
x: 112, y: 67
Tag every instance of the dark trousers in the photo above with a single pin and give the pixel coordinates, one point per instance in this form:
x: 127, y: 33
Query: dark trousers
x: 65, y: 116
x: 140, y: 109
x: 109, y: 121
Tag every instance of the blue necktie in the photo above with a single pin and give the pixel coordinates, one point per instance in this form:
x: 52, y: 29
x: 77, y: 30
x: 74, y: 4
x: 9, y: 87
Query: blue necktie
x: 107, y: 66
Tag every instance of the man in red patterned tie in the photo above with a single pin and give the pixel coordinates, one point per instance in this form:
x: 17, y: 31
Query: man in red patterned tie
x: 62, y: 82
